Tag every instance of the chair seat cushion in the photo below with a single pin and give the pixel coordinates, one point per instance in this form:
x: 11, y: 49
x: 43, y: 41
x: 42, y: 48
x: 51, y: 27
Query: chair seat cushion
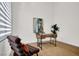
x: 32, y: 49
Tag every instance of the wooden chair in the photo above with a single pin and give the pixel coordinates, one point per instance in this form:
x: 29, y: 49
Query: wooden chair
x: 21, y: 49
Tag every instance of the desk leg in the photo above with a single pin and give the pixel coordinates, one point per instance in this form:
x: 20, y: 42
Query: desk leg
x: 50, y: 40
x: 37, y: 42
x: 41, y: 43
x: 55, y: 42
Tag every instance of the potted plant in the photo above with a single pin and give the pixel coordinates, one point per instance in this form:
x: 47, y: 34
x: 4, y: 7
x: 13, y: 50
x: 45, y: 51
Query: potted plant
x: 55, y: 28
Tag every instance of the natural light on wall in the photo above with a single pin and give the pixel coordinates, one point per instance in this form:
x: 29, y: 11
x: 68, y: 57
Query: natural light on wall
x: 5, y: 20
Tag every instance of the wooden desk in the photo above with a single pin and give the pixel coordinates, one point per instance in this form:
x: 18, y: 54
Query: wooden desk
x: 43, y: 36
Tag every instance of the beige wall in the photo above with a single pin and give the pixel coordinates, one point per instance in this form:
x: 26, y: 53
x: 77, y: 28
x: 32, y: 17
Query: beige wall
x: 66, y: 15
x: 22, y: 15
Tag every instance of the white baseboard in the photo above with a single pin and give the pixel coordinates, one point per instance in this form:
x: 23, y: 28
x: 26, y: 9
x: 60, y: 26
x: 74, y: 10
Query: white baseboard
x: 47, y: 39
x: 69, y: 43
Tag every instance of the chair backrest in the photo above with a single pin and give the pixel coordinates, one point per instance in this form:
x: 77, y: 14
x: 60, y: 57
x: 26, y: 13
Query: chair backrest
x: 15, y: 45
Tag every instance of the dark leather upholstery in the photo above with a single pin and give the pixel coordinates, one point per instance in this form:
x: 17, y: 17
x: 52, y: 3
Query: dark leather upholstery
x: 16, y: 46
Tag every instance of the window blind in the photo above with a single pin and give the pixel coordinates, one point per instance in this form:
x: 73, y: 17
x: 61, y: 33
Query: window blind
x: 5, y: 20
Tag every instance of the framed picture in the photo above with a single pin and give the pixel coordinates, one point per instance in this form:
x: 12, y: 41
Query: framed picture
x: 37, y: 25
